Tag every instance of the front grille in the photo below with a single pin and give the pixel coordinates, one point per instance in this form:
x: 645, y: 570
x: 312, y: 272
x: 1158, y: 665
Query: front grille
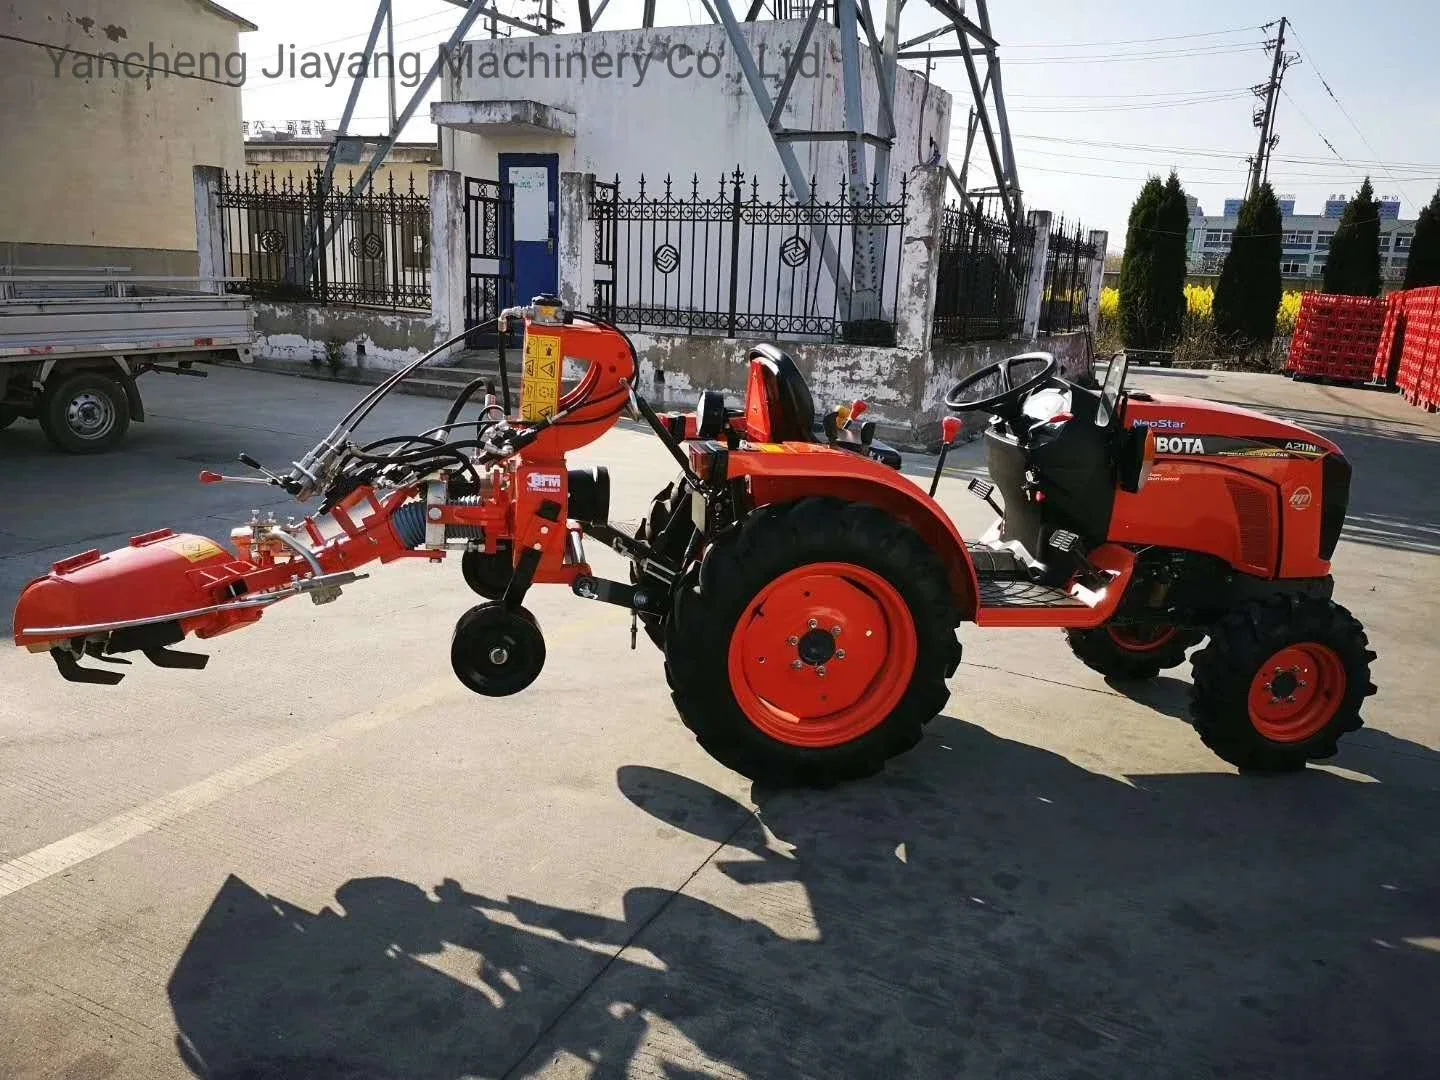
x: 1334, y: 501
x: 1255, y: 514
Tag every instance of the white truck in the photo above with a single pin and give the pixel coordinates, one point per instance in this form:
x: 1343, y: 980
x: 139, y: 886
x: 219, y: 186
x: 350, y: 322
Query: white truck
x: 73, y: 344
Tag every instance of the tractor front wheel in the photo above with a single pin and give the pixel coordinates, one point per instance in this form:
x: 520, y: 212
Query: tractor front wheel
x: 1281, y: 680
x: 815, y: 645
x: 1132, y: 652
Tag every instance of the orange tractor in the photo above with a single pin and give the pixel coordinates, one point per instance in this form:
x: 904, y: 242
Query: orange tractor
x: 805, y: 592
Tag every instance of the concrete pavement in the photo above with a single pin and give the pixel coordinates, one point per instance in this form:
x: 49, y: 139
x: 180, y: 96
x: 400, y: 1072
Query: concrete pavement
x: 323, y: 858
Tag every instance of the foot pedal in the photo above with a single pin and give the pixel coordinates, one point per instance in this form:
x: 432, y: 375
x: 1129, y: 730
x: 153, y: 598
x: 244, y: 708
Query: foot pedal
x: 1064, y: 540
x: 981, y: 489
x: 170, y: 658
x: 71, y: 671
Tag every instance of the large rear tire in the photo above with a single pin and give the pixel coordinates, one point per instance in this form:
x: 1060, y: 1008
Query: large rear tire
x: 1280, y: 682
x: 816, y: 644
x: 8, y: 416
x: 1131, y: 653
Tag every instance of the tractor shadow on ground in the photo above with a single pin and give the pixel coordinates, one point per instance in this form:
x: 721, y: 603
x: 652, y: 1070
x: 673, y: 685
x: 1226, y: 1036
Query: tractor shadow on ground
x: 983, y: 908
x: 1163, y: 694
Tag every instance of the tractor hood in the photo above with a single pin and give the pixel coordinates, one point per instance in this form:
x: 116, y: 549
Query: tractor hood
x: 1195, y: 426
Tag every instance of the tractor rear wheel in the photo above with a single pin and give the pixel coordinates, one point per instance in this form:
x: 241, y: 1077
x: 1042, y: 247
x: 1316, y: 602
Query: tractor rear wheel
x: 669, y: 537
x: 1281, y: 680
x: 814, y: 644
x: 1132, y: 652
x: 8, y: 416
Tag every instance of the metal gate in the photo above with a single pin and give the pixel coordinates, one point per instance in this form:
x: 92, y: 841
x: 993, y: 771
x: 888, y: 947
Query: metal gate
x: 489, y: 265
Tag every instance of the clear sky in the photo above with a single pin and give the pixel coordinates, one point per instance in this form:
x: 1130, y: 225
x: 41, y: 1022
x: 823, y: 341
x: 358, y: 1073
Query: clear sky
x: 1099, y: 94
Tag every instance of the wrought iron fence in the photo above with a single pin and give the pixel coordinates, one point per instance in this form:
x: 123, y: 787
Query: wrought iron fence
x: 1065, y: 303
x: 724, y: 261
x: 292, y: 238
x: 982, y: 275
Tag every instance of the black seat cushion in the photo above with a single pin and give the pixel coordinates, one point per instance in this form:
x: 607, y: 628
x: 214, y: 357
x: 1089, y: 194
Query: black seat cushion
x: 796, y: 422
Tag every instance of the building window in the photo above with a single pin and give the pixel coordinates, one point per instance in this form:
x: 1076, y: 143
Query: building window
x: 1215, y: 237
x: 1298, y: 239
x: 1322, y: 242
x: 1291, y: 268
x: 1385, y: 243
x: 1402, y: 242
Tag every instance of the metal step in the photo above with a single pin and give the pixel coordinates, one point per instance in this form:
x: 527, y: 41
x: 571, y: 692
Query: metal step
x: 1024, y: 594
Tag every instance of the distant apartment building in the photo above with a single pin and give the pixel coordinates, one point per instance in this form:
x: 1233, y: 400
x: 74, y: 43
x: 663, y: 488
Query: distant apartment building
x: 1306, y: 239
x: 283, y: 153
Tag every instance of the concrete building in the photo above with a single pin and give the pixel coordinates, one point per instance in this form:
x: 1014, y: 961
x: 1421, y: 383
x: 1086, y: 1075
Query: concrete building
x: 1306, y: 240
x: 669, y: 101
x: 103, y: 123
x: 282, y: 155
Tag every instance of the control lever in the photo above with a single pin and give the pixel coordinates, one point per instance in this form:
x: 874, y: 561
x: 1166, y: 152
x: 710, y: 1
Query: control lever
x: 949, y: 433
x: 1068, y: 543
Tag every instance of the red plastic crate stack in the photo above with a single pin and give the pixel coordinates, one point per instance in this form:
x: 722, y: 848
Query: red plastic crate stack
x: 1394, y: 309
x: 1419, y: 374
x: 1336, y: 337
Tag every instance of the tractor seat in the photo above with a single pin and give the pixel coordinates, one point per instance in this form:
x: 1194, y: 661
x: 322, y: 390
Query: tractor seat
x: 795, y: 421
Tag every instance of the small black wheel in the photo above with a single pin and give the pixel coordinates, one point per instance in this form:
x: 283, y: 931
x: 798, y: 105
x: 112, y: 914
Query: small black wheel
x: 488, y: 575
x: 1281, y: 681
x: 85, y: 413
x: 497, y: 651
x: 8, y: 416
x: 1133, y: 651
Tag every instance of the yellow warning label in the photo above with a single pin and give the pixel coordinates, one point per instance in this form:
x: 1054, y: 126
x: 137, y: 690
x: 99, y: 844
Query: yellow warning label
x: 767, y: 447
x: 194, y: 548
x: 540, y: 386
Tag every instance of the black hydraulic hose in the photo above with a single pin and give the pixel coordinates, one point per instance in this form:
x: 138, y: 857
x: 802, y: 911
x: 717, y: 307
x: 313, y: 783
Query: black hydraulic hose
x: 363, y: 408
x: 463, y: 399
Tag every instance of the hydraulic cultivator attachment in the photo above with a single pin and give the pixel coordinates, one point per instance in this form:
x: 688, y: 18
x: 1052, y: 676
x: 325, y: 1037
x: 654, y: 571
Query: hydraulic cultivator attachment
x: 496, y: 486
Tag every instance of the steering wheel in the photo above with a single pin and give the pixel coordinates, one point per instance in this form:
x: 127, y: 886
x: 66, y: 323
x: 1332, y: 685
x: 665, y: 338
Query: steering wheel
x: 1011, y: 394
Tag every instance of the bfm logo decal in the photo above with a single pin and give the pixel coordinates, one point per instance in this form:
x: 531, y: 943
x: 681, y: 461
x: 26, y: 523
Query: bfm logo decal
x: 1301, y: 498
x: 1178, y: 444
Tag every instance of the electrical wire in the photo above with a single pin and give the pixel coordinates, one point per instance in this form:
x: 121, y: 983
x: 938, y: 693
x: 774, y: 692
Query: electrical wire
x: 66, y: 50
x: 1133, y: 41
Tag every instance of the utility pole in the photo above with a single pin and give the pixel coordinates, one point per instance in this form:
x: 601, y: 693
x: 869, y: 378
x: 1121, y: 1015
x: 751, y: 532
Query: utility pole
x: 1264, y: 117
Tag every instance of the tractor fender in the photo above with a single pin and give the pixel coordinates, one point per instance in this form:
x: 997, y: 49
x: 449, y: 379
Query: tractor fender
x: 787, y: 477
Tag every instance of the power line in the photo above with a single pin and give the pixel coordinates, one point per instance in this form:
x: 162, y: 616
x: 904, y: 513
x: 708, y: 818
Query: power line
x: 1146, y: 94
x: 1320, y: 135
x: 1131, y: 41
x: 1195, y: 152
x: 1204, y: 51
x: 1134, y: 107
x: 1344, y: 111
x: 66, y: 51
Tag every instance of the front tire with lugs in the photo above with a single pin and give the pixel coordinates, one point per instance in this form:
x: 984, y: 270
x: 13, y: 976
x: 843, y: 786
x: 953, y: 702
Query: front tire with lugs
x: 1281, y: 681
x: 815, y: 645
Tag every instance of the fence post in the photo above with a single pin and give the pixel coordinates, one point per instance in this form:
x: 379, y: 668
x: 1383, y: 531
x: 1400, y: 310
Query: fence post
x: 919, y: 256
x: 1035, y: 289
x: 448, y: 269
x: 734, y: 253
x: 1099, y: 240
x: 577, y: 240
x: 209, y: 224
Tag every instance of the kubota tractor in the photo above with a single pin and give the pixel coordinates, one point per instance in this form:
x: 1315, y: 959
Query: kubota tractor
x: 805, y: 592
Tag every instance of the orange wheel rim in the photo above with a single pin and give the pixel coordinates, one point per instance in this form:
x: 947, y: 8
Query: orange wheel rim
x: 1140, y: 639
x: 1297, y: 692
x: 822, y: 655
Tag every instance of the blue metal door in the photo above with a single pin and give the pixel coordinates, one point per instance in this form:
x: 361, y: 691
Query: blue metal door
x: 532, y: 180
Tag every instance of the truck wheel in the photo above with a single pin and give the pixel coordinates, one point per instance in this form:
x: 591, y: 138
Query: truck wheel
x: 1133, y: 651
x: 1281, y: 680
x: 7, y: 416
x: 84, y: 413
x: 816, y: 645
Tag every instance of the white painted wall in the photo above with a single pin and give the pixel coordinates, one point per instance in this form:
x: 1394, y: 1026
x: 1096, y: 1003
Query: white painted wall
x: 644, y: 105
x: 668, y: 119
